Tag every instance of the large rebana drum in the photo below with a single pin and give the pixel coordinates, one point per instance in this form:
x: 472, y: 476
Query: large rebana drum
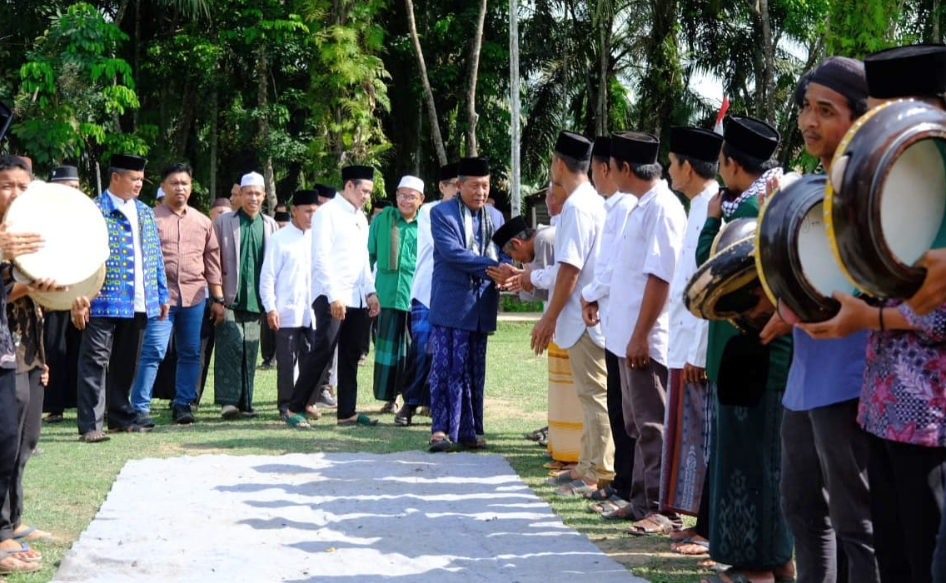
x: 795, y: 263
x: 76, y: 241
x: 886, y: 199
x: 727, y: 286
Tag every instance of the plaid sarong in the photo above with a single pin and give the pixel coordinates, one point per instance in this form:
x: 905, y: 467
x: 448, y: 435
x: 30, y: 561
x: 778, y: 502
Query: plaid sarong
x: 391, y: 349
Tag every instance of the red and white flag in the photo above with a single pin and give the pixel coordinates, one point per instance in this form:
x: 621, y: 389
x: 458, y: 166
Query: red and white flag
x: 722, y: 114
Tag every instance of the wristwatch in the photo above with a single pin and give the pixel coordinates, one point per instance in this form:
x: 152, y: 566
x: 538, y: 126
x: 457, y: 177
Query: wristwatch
x: 220, y: 301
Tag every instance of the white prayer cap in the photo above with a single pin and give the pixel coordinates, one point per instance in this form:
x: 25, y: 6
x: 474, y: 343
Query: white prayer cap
x: 160, y: 194
x: 252, y: 179
x: 412, y: 182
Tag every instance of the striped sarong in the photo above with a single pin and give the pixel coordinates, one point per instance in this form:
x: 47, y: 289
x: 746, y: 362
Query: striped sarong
x: 565, y: 411
x: 392, y: 346
x: 686, y: 445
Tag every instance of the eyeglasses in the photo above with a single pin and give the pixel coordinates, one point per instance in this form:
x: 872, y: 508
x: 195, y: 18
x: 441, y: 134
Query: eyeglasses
x: 406, y: 196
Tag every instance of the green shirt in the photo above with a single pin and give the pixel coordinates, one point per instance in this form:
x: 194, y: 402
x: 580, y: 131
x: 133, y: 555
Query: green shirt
x: 394, y: 285
x: 251, y: 261
x: 720, y: 331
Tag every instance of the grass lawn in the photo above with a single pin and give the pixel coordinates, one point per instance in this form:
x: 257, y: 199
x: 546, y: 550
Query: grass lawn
x: 67, y: 483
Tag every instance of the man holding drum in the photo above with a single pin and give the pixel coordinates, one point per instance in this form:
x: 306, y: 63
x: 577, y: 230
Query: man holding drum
x: 135, y: 289
x: 904, y: 389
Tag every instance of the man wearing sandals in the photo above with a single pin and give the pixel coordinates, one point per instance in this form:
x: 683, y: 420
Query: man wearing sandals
x: 135, y: 289
x: 345, y: 298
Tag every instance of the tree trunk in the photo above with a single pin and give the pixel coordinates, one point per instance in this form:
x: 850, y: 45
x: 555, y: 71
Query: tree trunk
x: 137, y: 61
x: 214, y: 143
x: 262, y: 72
x: 935, y: 15
x: 186, y: 120
x: 515, y: 197
x: 604, y: 23
x: 768, y: 83
x: 474, y: 65
x: 428, y: 92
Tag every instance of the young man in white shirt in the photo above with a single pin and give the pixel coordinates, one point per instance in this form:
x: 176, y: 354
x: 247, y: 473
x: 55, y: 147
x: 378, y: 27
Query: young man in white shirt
x: 577, y: 238
x: 638, y: 322
x: 694, y: 163
x: 286, y: 291
x: 343, y: 288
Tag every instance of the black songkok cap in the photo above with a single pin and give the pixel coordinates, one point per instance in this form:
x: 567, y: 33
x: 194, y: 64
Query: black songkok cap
x: 305, y: 197
x: 6, y: 116
x: 573, y: 145
x: 911, y: 71
x: 696, y: 143
x: 844, y: 75
x: 448, y: 172
x: 475, y: 167
x: 602, y: 147
x: 799, y: 96
x: 751, y: 136
x: 128, y: 162
x: 510, y: 229
x: 64, y: 173
x: 635, y: 147
x: 357, y: 173
x: 282, y: 217
x: 325, y: 191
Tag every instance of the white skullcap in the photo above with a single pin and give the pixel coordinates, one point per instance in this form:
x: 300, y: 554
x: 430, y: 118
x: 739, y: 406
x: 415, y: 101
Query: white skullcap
x: 412, y: 182
x: 160, y: 194
x: 252, y: 179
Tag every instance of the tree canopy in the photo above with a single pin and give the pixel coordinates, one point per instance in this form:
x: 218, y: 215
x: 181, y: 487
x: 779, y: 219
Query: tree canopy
x: 298, y: 88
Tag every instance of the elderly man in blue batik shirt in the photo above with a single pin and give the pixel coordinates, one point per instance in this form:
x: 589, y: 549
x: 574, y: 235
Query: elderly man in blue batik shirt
x: 135, y: 289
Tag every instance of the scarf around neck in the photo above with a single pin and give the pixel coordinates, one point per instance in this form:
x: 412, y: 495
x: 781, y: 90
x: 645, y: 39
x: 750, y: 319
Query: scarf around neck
x: 755, y: 189
x: 486, y: 231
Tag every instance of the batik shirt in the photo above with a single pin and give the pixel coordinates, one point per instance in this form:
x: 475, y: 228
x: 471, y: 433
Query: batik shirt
x: 904, y: 394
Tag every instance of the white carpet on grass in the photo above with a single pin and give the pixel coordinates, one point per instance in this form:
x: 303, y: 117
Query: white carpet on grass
x: 409, y: 517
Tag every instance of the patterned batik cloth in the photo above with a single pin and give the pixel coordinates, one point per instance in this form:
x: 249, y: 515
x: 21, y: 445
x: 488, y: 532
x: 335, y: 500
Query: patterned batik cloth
x: 457, y: 379
x: 566, y: 417
x: 417, y: 392
x: 392, y: 345
x: 237, y: 347
x: 747, y: 527
x: 686, y: 445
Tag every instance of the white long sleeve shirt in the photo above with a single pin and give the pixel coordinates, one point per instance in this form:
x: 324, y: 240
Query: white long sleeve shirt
x: 340, y: 267
x: 618, y: 207
x: 129, y: 208
x: 424, y: 266
x: 688, y: 334
x: 284, y: 282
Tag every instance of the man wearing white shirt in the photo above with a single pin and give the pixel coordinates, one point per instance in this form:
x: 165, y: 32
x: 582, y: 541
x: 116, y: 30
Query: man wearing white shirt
x: 638, y: 322
x: 577, y: 238
x: 694, y: 163
x: 618, y: 207
x: 286, y: 291
x: 343, y: 288
x: 417, y: 393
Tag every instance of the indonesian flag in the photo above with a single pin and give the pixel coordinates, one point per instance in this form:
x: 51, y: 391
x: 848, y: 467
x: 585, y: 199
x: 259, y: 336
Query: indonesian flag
x: 722, y: 114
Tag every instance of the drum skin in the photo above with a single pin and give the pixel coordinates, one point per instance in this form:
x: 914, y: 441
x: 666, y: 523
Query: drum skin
x: 727, y: 287
x: 778, y: 260
x: 63, y: 300
x: 854, y: 196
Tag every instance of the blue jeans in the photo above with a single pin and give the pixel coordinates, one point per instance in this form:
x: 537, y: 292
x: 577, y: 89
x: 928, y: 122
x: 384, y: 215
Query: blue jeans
x: 185, y: 323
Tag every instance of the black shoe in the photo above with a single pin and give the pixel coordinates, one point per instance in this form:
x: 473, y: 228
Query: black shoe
x: 267, y: 365
x: 405, y: 415
x: 145, y: 420
x: 183, y: 415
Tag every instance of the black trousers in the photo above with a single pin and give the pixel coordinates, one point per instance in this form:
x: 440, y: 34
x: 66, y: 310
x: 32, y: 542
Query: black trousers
x: 267, y: 342
x: 348, y: 335
x: 9, y: 436
x: 624, y: 445
x: 61, y: 342
x: 29, y: 400
x: 108, y: 364
x: 292, y: 344
x: 906, y: 495
x: 825, y: 493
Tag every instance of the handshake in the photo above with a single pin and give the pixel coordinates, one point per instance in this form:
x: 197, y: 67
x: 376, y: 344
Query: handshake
x: 511, y: 279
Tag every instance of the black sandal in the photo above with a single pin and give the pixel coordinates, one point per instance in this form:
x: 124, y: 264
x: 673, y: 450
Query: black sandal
x: 440, y: 445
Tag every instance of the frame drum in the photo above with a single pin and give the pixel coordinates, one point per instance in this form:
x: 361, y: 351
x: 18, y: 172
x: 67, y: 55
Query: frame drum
x: 76, y: 240
x: 794, y: 260
x: 886, y: 201
x: 727, y: 287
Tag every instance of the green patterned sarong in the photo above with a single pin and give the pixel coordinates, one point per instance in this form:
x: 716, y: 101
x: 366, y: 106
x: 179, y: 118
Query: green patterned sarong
x: 391, y: 350
x: 236, y: 344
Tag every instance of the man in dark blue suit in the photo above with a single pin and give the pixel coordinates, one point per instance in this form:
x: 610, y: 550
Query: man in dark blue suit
x: 463, y: 305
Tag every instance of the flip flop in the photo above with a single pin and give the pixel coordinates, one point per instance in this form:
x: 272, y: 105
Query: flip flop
x: 24, y: 548
x: 21, y: 567
x: 558, y: 479
x: 439, y: 445
x: 678, y: 546
x: 25, y: 534
x: 93, y: 437
x: 362, y: 419
x: 298, y: 421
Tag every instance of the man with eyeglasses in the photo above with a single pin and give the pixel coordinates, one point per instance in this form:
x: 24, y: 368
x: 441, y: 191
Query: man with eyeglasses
x: 392, y: 249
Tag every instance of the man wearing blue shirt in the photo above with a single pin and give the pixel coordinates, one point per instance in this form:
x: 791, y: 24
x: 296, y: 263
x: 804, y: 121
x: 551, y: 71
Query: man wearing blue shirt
x: 824, y: 451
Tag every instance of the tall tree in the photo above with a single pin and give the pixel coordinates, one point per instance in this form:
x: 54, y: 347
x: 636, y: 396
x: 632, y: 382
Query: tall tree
x: 473, y: 67
x: 425, y: 80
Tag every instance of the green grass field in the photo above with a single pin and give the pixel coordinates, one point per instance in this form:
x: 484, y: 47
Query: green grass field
x: 67, y: 483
